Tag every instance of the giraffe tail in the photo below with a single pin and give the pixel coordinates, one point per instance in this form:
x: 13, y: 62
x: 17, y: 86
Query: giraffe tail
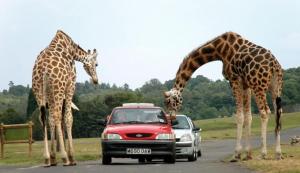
x: 278, y: 115
x: 44, y: 105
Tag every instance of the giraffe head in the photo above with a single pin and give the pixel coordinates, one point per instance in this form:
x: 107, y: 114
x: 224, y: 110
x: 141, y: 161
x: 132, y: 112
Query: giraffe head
x: 90, y: 65
x: 173, y: 101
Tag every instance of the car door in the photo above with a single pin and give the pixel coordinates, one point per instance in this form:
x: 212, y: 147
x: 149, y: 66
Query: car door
x: 196, y: 134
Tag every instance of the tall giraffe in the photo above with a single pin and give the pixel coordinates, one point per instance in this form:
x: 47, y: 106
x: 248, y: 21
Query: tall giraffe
x: 53, y: 84
x: 249, y: 68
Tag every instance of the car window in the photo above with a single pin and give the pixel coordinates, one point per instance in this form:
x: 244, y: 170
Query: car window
x: 138, y: 115
x: 182, y: 123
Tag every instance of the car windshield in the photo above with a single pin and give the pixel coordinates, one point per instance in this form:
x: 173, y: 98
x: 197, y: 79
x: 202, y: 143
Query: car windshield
x: 182, y: 123
x: 138, y: 116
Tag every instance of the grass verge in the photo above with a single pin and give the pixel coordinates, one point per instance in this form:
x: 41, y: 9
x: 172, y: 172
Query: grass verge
x: 290, y: 163
x: 17, y: 154
x: 225, y: 128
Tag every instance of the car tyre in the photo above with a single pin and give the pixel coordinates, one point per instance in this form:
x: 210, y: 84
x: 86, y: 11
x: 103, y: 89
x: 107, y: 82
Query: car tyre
x: 142, y: 160
x: 193, y: 157
x: 199, y: 153
x: 170, y: 159
x: 106, y: 160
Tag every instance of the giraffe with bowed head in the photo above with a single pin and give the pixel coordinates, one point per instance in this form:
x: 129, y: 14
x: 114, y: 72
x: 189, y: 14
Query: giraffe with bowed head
x: 53, y: 84
x: 250, y: 69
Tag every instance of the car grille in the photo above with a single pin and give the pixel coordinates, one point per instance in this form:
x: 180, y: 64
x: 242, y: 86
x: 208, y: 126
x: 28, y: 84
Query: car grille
x: 123, y: 146
x: 138, y: 135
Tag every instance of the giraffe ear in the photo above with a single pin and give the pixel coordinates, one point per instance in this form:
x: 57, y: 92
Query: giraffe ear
x: 89, y: 51
x: 167, y: 94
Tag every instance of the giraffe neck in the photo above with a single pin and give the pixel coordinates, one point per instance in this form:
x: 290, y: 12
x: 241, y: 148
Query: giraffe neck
x: 221, y: 48
x: 80, y: 54
x: 62, y: 40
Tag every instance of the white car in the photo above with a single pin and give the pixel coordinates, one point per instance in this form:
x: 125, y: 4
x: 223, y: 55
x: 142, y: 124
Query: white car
x: 188, y: 138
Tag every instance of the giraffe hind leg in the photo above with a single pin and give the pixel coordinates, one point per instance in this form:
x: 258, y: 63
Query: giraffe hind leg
x: 44, y: 126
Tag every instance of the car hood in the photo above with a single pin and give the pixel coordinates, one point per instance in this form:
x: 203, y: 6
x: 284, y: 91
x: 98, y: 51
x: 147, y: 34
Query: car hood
x: 180, y: 132
x: 138, y: 128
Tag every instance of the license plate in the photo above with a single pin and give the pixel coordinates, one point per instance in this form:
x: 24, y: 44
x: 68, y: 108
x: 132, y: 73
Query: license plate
x: 138, y: 151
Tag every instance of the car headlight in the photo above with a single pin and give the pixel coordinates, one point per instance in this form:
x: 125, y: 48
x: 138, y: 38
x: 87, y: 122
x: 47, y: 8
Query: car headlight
x: 165, y: 136
x: 111, y: 136
x: 186, y: 138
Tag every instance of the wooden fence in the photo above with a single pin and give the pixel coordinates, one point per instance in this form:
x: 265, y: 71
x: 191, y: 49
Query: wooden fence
x: 8, y: 136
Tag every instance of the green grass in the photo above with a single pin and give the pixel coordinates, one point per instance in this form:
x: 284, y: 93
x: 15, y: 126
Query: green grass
x: 90, y: 148
x: 17, y: 154
x: 225, y: 128
x: 290, y: 163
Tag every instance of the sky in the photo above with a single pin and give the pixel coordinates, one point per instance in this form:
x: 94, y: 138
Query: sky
x: 139, y: 40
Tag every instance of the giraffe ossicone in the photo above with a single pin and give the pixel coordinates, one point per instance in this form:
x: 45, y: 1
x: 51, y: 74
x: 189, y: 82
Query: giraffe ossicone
x: 250, y: 69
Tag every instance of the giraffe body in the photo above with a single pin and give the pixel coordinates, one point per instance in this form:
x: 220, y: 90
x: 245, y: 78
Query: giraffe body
x: 53, y: 84
x: 250, y: 69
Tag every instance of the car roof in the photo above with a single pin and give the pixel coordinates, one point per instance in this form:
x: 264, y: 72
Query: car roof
x: 181, y: 116
x: 138, y: 105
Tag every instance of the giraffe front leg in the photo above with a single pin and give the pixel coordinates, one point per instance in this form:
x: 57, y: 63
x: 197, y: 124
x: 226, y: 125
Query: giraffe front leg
x: 247, y: 122
x: 264, y: 122
x: 239, y: 132
x: 239, y: 117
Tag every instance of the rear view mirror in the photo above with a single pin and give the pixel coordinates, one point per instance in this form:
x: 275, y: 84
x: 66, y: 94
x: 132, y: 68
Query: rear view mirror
x: 102, y: 122
x: 174, y: 122
x: 196, y: 129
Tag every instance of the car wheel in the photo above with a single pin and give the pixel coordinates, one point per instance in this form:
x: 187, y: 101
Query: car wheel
x: 106, y: 160
x: 170, y: 159
x: 141, y: 160
x: 193, y: 157
x: 199, y: 153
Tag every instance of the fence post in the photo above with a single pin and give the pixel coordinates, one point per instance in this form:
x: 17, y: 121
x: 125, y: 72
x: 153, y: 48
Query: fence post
x: 30, y: 124
x: 2, y: 139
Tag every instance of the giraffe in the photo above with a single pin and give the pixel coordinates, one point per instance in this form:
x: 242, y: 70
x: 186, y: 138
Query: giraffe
x: 53, y: 84
x: 250, y: 69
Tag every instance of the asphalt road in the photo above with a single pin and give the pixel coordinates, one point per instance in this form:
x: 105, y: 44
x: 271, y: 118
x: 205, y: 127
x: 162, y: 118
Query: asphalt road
x: 211, y: 161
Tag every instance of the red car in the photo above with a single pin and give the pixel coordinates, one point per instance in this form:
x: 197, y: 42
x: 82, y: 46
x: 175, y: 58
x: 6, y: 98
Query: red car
x: 140, y: 131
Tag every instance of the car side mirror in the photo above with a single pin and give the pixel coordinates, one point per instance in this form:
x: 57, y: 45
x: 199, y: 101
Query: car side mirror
x: 174, y: 122
x: 102, y: 122
x: 196, y: 129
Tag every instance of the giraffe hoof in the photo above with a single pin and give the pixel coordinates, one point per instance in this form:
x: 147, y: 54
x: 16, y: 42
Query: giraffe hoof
x: 66, y: 162
x: 47, y: 163
x: 236, y: 158
x: 72, y: 161
x: 53, y: 161
x: 278, y: 156
x: 249, y: 156
x: 263, y: 156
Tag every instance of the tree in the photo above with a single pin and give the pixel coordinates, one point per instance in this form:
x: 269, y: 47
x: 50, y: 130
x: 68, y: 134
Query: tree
x: 31, y: 104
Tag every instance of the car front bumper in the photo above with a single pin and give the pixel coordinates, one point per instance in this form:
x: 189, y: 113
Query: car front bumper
x: 184, y: 149
x: 159, y: 148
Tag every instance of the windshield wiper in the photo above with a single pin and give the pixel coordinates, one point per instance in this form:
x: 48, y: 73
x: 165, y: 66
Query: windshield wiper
x: 134, y: 122
x: 179, y: 128
x: 155, y: 122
